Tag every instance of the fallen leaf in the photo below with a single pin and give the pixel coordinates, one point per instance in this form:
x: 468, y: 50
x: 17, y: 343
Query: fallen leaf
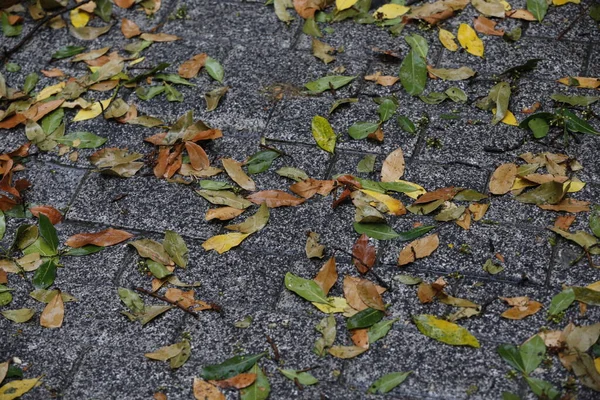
x: 383, y: 80
x: 469, y: 40
x: 222, y: 213
x: 503, y: 178
x: 346, y: 352
x: 223, y: 243
x: 323, y: 134
x: 18, y: 388
x: 159, y: 37
x: 154, y: 250
x: 205, y: 391
x: 237, y: 382
x: 447, y: 39
x: 309, y: 187
x: 368, y: 293
x: 487, y: 26
x: 360, y: 337
x: 275, y: 198
x: 419, y: 248
x: 350, y: 288
x: 129, y: 28
x: 235, y: 172
x: 390, y: 11
x: 190, y: 68
x: 521, y: 307
x: 54, y: 312
x: 393, y: 166
x: 327, y: 275
x: 443, y: 194
x: 444, y: 331
x: 52, y: 213
x: 322, y: 51
x: 364, y: 254
x: 107, y: 237
x: 520, y: 14
x: 564, y: 222
x: 253, y: 223
x: 580, y: 82
x: 307, y: 8
x: 344, y: 4
x: 568, y: 205
x: 313, y: 248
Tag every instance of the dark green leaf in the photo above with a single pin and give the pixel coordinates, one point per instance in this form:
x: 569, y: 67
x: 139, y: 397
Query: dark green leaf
x: 380, y: 329
x: 361, y: 130
x: 387, y: 108
x: 406, y: 124
x: 539, y: 127
x: 261, y: 161
x: 364, y: 319
x: 561, y: 302
x: 68, y: 51
x: 305, y: 288
x: 510, y: 353
x: 541, y: 388
x: 214, y: 69
x: 147, y: 74
x: 30, y: 81
x: 231, y: 367
x: 52, y: 121
x: 388, y: 382
x: 103, y: 9
x: 546, y: 116
x: 173, y: 78
x: 328, y: 82
x: 538, y: 8
x: 48, y: 232
x: 149, y: 92
x: 83, y: 251
x: 576, y: 124
x: 14, y: 372
x: 595, y: 12
x: 82, y: 140
x: 532, y: 353
x: 530, y: 65
x: 413, y: 73
x: 376, y: 231
x: 340, y: 102
x: 44, y: 276
x: 414, y: 233
x: 25, y: 236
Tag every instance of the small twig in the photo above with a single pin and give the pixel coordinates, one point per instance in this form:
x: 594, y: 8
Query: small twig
x: 276, y: 356
x: 572, y: 24
x: 175, y: 303
x: 8, y: 53
x: 298, y: 384
x: 308, y: 369
x: 589, y: 257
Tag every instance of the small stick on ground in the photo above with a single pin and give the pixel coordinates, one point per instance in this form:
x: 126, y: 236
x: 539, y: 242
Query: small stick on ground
x: 308, y: 369
x: 175, y: 303
x: 276, y: 356
x: 298, y: 384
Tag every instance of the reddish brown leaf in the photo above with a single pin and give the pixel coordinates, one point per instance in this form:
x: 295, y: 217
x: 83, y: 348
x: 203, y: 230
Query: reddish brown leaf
x: 124, y: 3
x: 39, y: 110
x: 440, y: 194
x: 275, y: 198
x: 307, y: 8
x: 349, y: 181
x: 237, y: 382
x: 129, y: 28
x: 53, y: 73
x: 190, y: 68
x: 568, y: 205
x: 161, y: 162
x: 309, y: 187
x: 107, y: 237
x: 345, y: 196
x: 3, y: 276
x: 564, y: 222
x: 52, y: 213
x: 364, y: 254
x: 327, y: 275
x: 13, y: 121
x: 486, y: 26
x: 360, y: 338
x: 198, y: 157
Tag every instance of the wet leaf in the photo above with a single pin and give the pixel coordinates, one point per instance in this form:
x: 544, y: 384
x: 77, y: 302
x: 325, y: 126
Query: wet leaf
x: 469, y: 40
x: 235, y: 172
x: 224, y: 243
x: 328, y: 82
x: 444, y: 331
x: 260, y: 389
x: 304, y: 378
x: 48, y: 232
x: 305, y: 288
x: 275, y: 198
x: 253, y: 223
x: 18, y: 316
x: 54, y: 312
x: 230, y: 367
x: 419, y: 248
x: 388, y: 382
x: 413, y: 73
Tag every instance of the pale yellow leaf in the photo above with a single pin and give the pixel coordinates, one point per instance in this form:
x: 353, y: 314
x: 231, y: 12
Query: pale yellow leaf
x: 335, y: 305
x: 447, y: 39
x: 50, y: 91
x: 391, y: 11
x: 575, y: 186
x: 468, y: 39
x: 92, y: 112
x: 15, y: 389
x: 395, y: 206
x: 223, y: 243
x: 344, y: 4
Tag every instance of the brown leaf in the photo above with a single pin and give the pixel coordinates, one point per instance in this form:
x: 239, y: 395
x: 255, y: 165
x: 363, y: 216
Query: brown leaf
x: 161, y: 162
x: 53, y: 73
x: 521, y: 307
x: 307, y: 8
x: 327, y: 275
x: 564, y: 222
x: 383, y: 80
x: 222, y: 213
x: 54, y: 312
x: 52, y: 213
x: 568, y: 205
x: 530, y: 110
x: 13, y: 121
x: 39, y: 110
x: 521, y: 14
x: 205, y: 391
x: 376, y: 135
x: 360, y: 338
x: 419, y: 248
x: 426, y: 293
x: 393, y: 166
x: 478, y: 210
x: 190, y: 68
x: 346, y: 352
x: 486, y: 26
x: 275, y: 198
x: 129, y: 28
x: 351, y: 292
x: 198, y: 157
x: 235, y: 172
x: 313, y: 248
x: 364, y: 254
x: 309, y: 187
x: 159, y: 37
x: 124, y: 3
x: 3, y: 276
x: 368, y: 293
x: 237, y: 382
x: 445, y: 194
x: 160, y: 396
x: 107, y: 237
x: 503, y: 178
x: 465, y: 220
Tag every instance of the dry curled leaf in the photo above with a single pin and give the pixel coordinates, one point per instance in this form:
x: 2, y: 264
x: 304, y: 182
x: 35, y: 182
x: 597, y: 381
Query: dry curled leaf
x: 419, y: 248
x: 383, y: 80
x: 313, y: 248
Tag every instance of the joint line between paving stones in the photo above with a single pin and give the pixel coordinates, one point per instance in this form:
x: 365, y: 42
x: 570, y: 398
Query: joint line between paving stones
x: 588, y: 59
x: 552, y: 261
x: 77, y: 192
x: 76, y: 367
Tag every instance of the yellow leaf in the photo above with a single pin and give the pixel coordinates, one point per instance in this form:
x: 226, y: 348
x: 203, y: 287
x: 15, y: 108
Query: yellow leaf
x: 391, y: 11
x: 344, y: 4
x: 223, y: 243
x: 93, y: 111
x: 597, y: 364
x: 444, y: 331
x: 394, y: 205
x: 335, y: 305
x: 583, y: 82
x: 468, y: 39
x: 575, y: 186
x: 521, y: 183
x: 49, y: 91
x: 447, y: 39
x: 507, y: 6
x: 137, y: 61
x: 509, y: 118
x: 563, y: 2
x: 419, y: 190
x: 594, y: 286
x: 346, y: 351
x: 15, y: 389
x: 79, y: 18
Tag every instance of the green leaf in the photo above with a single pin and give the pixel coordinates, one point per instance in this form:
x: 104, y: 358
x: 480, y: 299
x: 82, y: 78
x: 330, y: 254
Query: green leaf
x: 149, y: 73
x: 340, y: 102
x: 261, y: 161
x: 68, y: 51
x: 361, y: 130
x: 40, y: 246
x: 500, y: 96
x: 10, y: 30
x: 19, y: 316
x: 52, y: 121
x: 364, y: 319
x: 542, y: 389
x: 30, y: 81
x: 418, y: 44
x: 576, y: 124
x: 25, y: 236
x: 538, y: 8
x: 253, y: 223
x: 595, y: 12
x: 539, y: 127
x: 376, y: 231
x: 547, y: 193
x: 311, y: 28
x: 328, y: 82
x: 323, y: 134
x: 132, y: 300
x: 83, y: 251
x: 173, y: 78
x: 456, y: 94
x: 12, y: 67
x: 260, y: 389
x: 413, y: 73
x: 406, y: 124
x: 327, y: 327
x: 510, y: 353
x: 587, y: 296
x: 414, y: 233
x: 304, y: 378
x: 444, y: 331
x: 582, y: 101
x: 214, y: 69
x: 44, y: 276
x: 532, y: 353
x: 492, y: 268
x: 221, y: 197
x: 510, y: 396
x: 452, y: 74
x: 173, y: 94
x: 387, y: 108
x: 561, y: 302
x: 433, y: 98
x: 148, y: 248
x: 469, y: 195
x: 2, y: 224
x: 157, y: 269
x: 82, y: 140
x: 305, y: 288
x: 103, y: 9
x: 5, y: 296
x: 380, y: 329
x: 367, y: 164
x: 231, y: 367
x: 293, y: 173
x: 595, y: 221
x: 48, y: 232
x: 388, y: 382
x: 214, y: 185
x: 408, y: 279
x: 176, y: 248
x: 530, y: 65
x: 149, y: 92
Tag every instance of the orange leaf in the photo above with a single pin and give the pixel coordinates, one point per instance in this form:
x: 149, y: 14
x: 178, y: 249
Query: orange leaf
x: 53, y: 73
x: 159, y: 37
x: 360, y: 338
x: 503, y: 178
x: 419, y: 248
x: 275, y: 198
x: 440, y: 194
x: 327, y: 275
x: 307, y: 8
x: 190, y: 68
x: 351, y: 292
x: 588, y: 83
x: 129, y: 28
x: 124, y: 3
x: 198, y: 157
x: 364, y: 254
x: 465, y: 220
x: 39, y: 110
x: 237, y: 382
x: 521, y: 307
x: 564, y: 222
x: 53, y: 314
x: 486, y: 26
x: 107, y: 237
x: 52, y: 213
x: 12, y: 121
